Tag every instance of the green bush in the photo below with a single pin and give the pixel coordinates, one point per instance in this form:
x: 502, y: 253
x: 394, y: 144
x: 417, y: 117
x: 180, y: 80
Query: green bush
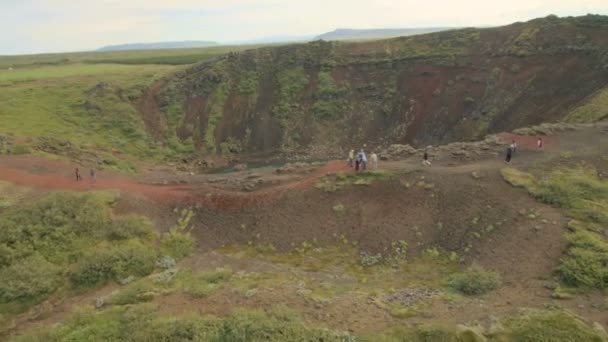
x: 28, y: 279
x: 586, y: 263
x: 548, y: 325
x: 140, y: 322
x: 203, y: 285
x: 21, y: 149
x: 128, y: 227
x: 136, y: 293
x: 131, y: 258
x: 475, y: 281
x: 177, y: 244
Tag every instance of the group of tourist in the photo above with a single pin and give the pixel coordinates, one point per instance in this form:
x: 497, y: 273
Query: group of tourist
x: 513, y: 147
x: 360, y: 160
x: 93, y: 174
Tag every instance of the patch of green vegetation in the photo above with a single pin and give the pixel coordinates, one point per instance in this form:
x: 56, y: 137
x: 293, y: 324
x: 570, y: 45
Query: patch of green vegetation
x: 519, y: 178
x: 333, y: 183
x: 21, y: 149
x: 28, y: 279
x: 579, y: 190
x: 249, y: 83
x: 288, y: 111
x: 338, y: 209
x: 585, y: 195
x: 131, y: 57
x: 178, y: 242
x: 474, y: 281
x: 547, y: 325
x: 174, y: 114
x: 202, y: 285
x: 142, y: 323
x: 68, y: 234
x: 90, y: 106
x: 424, y: 333
x: 217, y: 102
x: 331, y: 102
x: 594, y: 109
x: 586, y: 263
x: 10, y: 194
x: 114, y: 262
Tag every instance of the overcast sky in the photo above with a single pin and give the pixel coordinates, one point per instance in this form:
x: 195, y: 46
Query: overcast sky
x: 32, y: 26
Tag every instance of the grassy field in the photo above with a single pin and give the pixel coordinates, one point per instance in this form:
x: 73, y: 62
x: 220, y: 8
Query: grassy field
x: 162, y: 56
x: 90, y: 105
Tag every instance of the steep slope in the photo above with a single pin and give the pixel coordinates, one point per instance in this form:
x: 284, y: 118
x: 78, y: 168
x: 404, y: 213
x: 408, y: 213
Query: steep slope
x: 426, y: 89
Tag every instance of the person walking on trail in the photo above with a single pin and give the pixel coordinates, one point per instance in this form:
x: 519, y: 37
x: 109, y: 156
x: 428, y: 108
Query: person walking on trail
x: 513, y: 147
x: 363, y: 160
x: 357, y: 162
x: 374, y: 160
x: 351, y: 157
x: 425, y: 159
x: 509, y: 154
x: 78, y: 176
x: 539, y: 143
x: 93, y: 175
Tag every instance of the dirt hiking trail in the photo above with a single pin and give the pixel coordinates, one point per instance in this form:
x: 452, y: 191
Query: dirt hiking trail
x: 55, y: 175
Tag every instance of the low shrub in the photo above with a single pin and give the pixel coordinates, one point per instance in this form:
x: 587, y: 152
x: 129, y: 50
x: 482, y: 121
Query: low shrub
x: 204, y: 284
x: 586, y: 263
x: 548, y: 325
x: 474, y: 281
x: 131, y: 258
x: 367, y: 259
x: 338, y: 209
x: 136, y: 293
x: 21, y: 149
x: 28, y: 279
x: 128, y: 227
x: 178, y: 244
x: 140, y: 322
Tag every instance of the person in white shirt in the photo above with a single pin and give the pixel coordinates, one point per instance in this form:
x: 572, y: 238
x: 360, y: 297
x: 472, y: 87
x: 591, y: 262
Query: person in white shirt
x: 374, y: 159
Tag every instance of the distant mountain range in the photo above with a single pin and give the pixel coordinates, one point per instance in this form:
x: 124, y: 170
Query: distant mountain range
x: 160, y: 45
x: 354, y: 34
x: 339, y: 34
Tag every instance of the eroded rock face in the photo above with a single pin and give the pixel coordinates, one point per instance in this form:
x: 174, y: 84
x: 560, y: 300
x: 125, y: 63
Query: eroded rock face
x: 314, y: 99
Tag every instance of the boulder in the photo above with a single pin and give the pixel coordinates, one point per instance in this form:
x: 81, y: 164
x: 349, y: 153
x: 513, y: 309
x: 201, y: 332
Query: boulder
x: 240, y: 167
x: 400, y: 150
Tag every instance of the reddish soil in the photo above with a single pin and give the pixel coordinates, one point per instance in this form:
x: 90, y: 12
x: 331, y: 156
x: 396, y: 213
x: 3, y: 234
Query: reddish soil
x: 55, y: 175
x: 153, y: 118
